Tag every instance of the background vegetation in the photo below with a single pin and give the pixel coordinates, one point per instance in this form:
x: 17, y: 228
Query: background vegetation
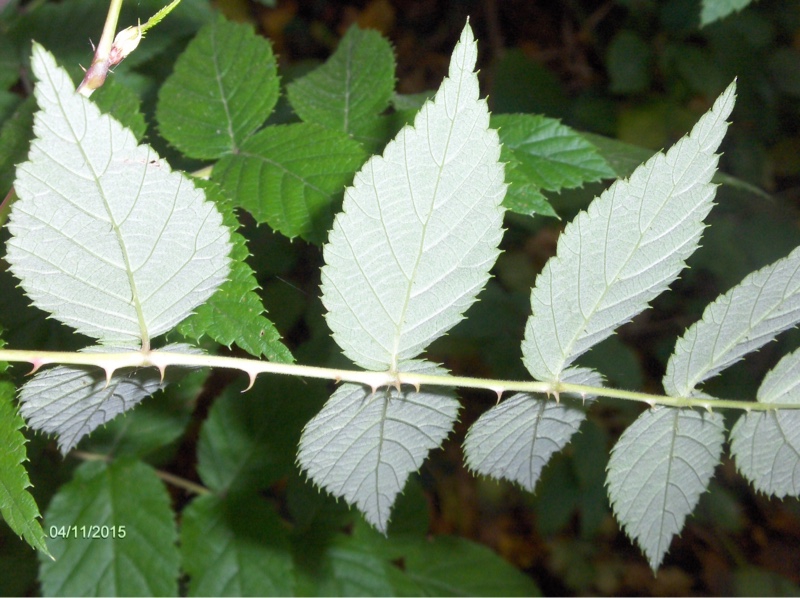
x: 635, y: 70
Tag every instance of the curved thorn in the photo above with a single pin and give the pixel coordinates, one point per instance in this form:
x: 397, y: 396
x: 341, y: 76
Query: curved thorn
x: 252, y: 377
x: 36, y: 363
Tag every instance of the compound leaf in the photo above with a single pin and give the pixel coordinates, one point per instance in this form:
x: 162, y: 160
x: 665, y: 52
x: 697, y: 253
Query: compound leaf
x: 543, y: 154
x: 363, y: 445
x: 625, y: 249
x: 71, y: 401
x: 17, y: 505
x: 766, y: 444
x: 289, y: 177
x: 352, y: 87
x: 115, y: 534
x: 751, y: 314
x: 517, y: 438
x: 224, y: 86
x: 235, y: 547
x: 105, y: 236
x: 419, y: 228
x: 657, y: 471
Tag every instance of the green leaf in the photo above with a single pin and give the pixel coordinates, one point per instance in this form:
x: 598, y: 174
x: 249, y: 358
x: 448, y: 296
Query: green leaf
x: 121, y: 498
x: 751, y: 314
x: 419, y: 228
x: 113, y: 244
x: 243, y: 442
x: 71, y: 401
x: 15, y: 139
x: 235, y: 313
x: 224, y: 87
x: 17, y: 505
x: 714, y: 10
x: 515, y: 439
x: 657, y: 471
x: 363, y: 445
x: 449, y: 566
x: 766, y: 445
x: 543, y: 154
x: 625, y: 250
x: 289, y: 177
x: 235, y: 547
x: 355, y: 84
x: 122, y: 103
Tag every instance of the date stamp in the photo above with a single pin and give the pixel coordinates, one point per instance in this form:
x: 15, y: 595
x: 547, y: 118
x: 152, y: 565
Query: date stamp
x: 87, y: 532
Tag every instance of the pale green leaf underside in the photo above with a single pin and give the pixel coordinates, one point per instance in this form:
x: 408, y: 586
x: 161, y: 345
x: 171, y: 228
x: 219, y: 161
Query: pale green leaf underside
x: 355, y: 84
x: 363, y: 446
x: 751, y: 314
x: 235, y: 547
x: 105, y: 236
x: 71, y: 401
x: 224, y: 87
x: 419, y: 228
x: 289, y: 177
x: 17, y: 505
x: 144, y: 563
x: 517, y: 438
x: 714, y: 10
x: 625, y: 249
x: 766, y: 444
x: 657, y: 471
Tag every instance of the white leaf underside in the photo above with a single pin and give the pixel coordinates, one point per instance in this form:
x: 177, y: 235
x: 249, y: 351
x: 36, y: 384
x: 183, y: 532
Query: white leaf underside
x: 363, y: 446
x: 105, y: 236
x: 657, y: 471
x: 766, y: 445
x: 751, y: 314
x: 517, y: 438
x: 72, y: 401
x: 419, y: 228
x: 624, y: 250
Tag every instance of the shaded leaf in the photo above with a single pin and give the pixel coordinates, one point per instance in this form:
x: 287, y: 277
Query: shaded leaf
x: 363, y: 445
x: 419, y: 228
x: 243, y: 442
x: 124, y: 495
x: 235, y: 547
x: 659, y: 468
x: 224, y: 86
x: 355, y: 83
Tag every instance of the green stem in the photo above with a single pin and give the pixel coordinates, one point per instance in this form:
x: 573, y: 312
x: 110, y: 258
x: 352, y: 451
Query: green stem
x: 110, y: 362
x: 97, y: 72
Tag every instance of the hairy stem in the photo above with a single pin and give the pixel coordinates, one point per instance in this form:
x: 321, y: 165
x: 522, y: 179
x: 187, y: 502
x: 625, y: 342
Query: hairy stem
x: 110, y: 362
